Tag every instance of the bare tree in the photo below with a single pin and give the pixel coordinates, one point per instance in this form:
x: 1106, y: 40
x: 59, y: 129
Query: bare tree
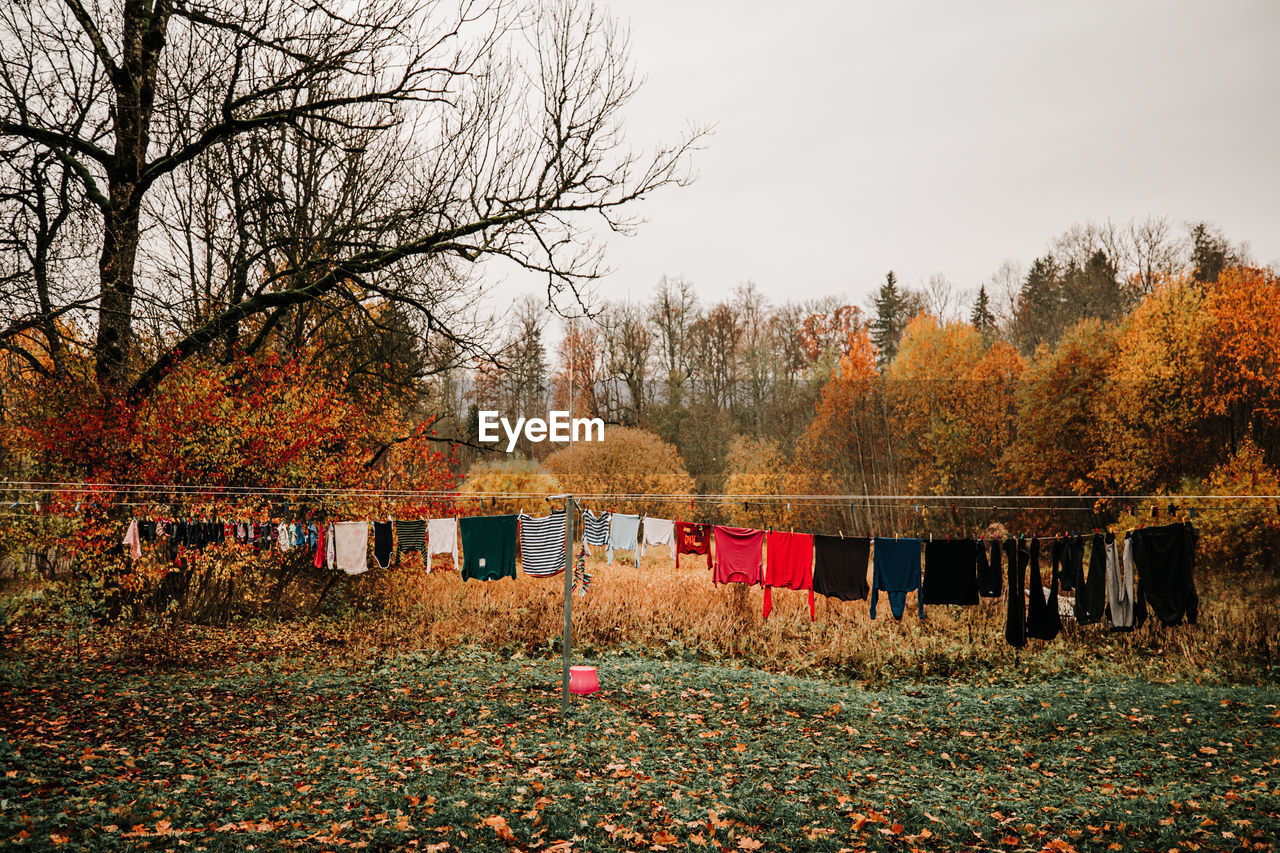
x: 420, y: 139
x: 628, y: 345
x: 673, y: 312
x: 940, y: 298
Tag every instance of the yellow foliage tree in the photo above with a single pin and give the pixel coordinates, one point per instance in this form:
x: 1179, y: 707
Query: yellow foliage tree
x: 756, y: 466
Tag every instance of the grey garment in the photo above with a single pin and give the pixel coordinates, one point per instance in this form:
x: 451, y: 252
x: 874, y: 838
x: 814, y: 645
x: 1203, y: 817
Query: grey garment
x: 1120, y: 586
x: 624, y: 535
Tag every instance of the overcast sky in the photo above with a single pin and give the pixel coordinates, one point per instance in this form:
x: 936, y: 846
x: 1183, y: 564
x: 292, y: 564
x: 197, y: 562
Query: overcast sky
x: 855, y: 137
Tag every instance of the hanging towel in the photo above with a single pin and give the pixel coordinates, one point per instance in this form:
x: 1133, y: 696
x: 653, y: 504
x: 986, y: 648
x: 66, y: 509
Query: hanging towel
x: 1091, y: 597
x: 331, y: 548
x: 442, y: 538
x: 990, y: 573
x: 790, y: 566
x: 1015, y: 624
x: 350, y: 543
x: 322, y: 544
x: 693, y: 538
x: 542, y: 544
x: 950, y: 572
x: 897, y: 572
x: 488, y: 547
x: 1165, y: 558
x: 739, y: 555
x: 1043, y: 621
x: 1120, y: 586
x: 840, y: 566
x: 411, y: 536
x: 133, y: 539
x: 382, y: 544
x: 595, y: 528
x: 624, y: 534
x: 285, y: 537
x: 659, y: 531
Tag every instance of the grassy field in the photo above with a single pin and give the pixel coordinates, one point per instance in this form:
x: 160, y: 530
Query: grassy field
x: 467, y: 750
x: 422, y: 712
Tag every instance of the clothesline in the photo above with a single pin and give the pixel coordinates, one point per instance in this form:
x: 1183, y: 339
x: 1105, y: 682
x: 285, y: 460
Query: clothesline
x: 69, y: 487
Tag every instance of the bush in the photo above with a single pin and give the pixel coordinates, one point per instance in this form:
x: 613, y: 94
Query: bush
x: 508, y: 474
x: 1242, y: 534
x: 756, y: 466
x: 630, y: 461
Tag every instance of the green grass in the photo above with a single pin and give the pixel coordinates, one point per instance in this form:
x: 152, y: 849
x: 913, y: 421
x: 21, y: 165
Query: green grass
x: 423, y: 750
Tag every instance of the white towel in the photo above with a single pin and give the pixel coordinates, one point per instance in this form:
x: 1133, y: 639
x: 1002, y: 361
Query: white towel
x: 284, y: 536
x: 351, y: 542
x: 659, y: 531
x: 133, y: 540
x: 442, y: 538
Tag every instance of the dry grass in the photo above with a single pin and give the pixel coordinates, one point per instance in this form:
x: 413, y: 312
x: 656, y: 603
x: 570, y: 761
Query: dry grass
x: 659, y: 610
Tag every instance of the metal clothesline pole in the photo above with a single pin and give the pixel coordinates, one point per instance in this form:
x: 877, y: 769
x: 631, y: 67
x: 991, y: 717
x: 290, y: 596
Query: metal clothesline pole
x: 567, y: 638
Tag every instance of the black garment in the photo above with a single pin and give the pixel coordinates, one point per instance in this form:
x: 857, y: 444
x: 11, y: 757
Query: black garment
x: 1165, y: 559
x: 412, y: 535
x: 147, y: 531
x: 950, y: 575
x: 990, y: 582
x: 382, y: 543
x: 1043, y: 621
x: 1091, y: 594
x: 177, y: 536
x: 1071, y: 569
x: 840, y: 566
x: 195, y: 535
x: 1015, y: 625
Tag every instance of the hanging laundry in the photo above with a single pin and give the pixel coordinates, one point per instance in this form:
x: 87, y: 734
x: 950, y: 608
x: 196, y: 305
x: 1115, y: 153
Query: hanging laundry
x: 133, y: 540
x: 412, y: 536
x: 542, y: 544
x: 840, y: 567
x: 950, y: 572
x: 488, y: 547
x: 1165, y: 558
x: 330, y: 548
x: 382, y: 544
x: 1071, y: 576
x: 322, y: 542
x: 1091, y: 596
x: 1121, y: 589
x: 581, y: 577
x: 790, y: 566
x: 442, y: 538
x: 350, y: 542
x: 147, y: 530
x: 1043, y: 621
x: 693, y: 538
x: 285, y: 537
x: 177, y: 535
x: 595, y: 528
x: 659, y: 531
x: 990, y: 573
x: 624, y: 535
x: 739, y: 556
x: 895, y: 571
x: 1017, y: 555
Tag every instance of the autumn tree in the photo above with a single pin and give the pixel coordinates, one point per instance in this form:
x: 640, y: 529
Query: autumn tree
x: 755, y: 466
x: 432, y: 138
x: 506, y: 484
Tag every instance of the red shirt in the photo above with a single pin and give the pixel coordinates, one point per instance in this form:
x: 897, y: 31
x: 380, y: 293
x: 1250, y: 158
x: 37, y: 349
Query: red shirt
x: 693, y: 538
x: 790, y: 566
x: 739, y: 555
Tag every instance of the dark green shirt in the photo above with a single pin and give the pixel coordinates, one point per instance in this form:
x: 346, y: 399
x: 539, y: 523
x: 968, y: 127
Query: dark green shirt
x: 488, y: 547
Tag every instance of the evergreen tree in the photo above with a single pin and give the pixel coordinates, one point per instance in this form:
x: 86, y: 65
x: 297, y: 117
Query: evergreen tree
x: 982, y: 317
x: 890, y: 319
x: 1039, y: 315
x: 1210, y: 253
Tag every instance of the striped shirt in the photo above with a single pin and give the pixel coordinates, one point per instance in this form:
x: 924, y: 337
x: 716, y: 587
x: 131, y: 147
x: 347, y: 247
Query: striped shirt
x: 595, y: 528
x: 411, y: 535
x: 542, y: 544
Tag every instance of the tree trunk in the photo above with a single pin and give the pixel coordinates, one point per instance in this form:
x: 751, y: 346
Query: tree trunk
x: 115, y: 316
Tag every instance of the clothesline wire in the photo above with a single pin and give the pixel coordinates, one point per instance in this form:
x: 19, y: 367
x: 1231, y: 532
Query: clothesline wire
x: 214, y: 491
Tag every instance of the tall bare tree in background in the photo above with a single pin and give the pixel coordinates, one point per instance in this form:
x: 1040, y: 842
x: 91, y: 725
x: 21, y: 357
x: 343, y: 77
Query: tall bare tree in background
x: 241, y: 162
